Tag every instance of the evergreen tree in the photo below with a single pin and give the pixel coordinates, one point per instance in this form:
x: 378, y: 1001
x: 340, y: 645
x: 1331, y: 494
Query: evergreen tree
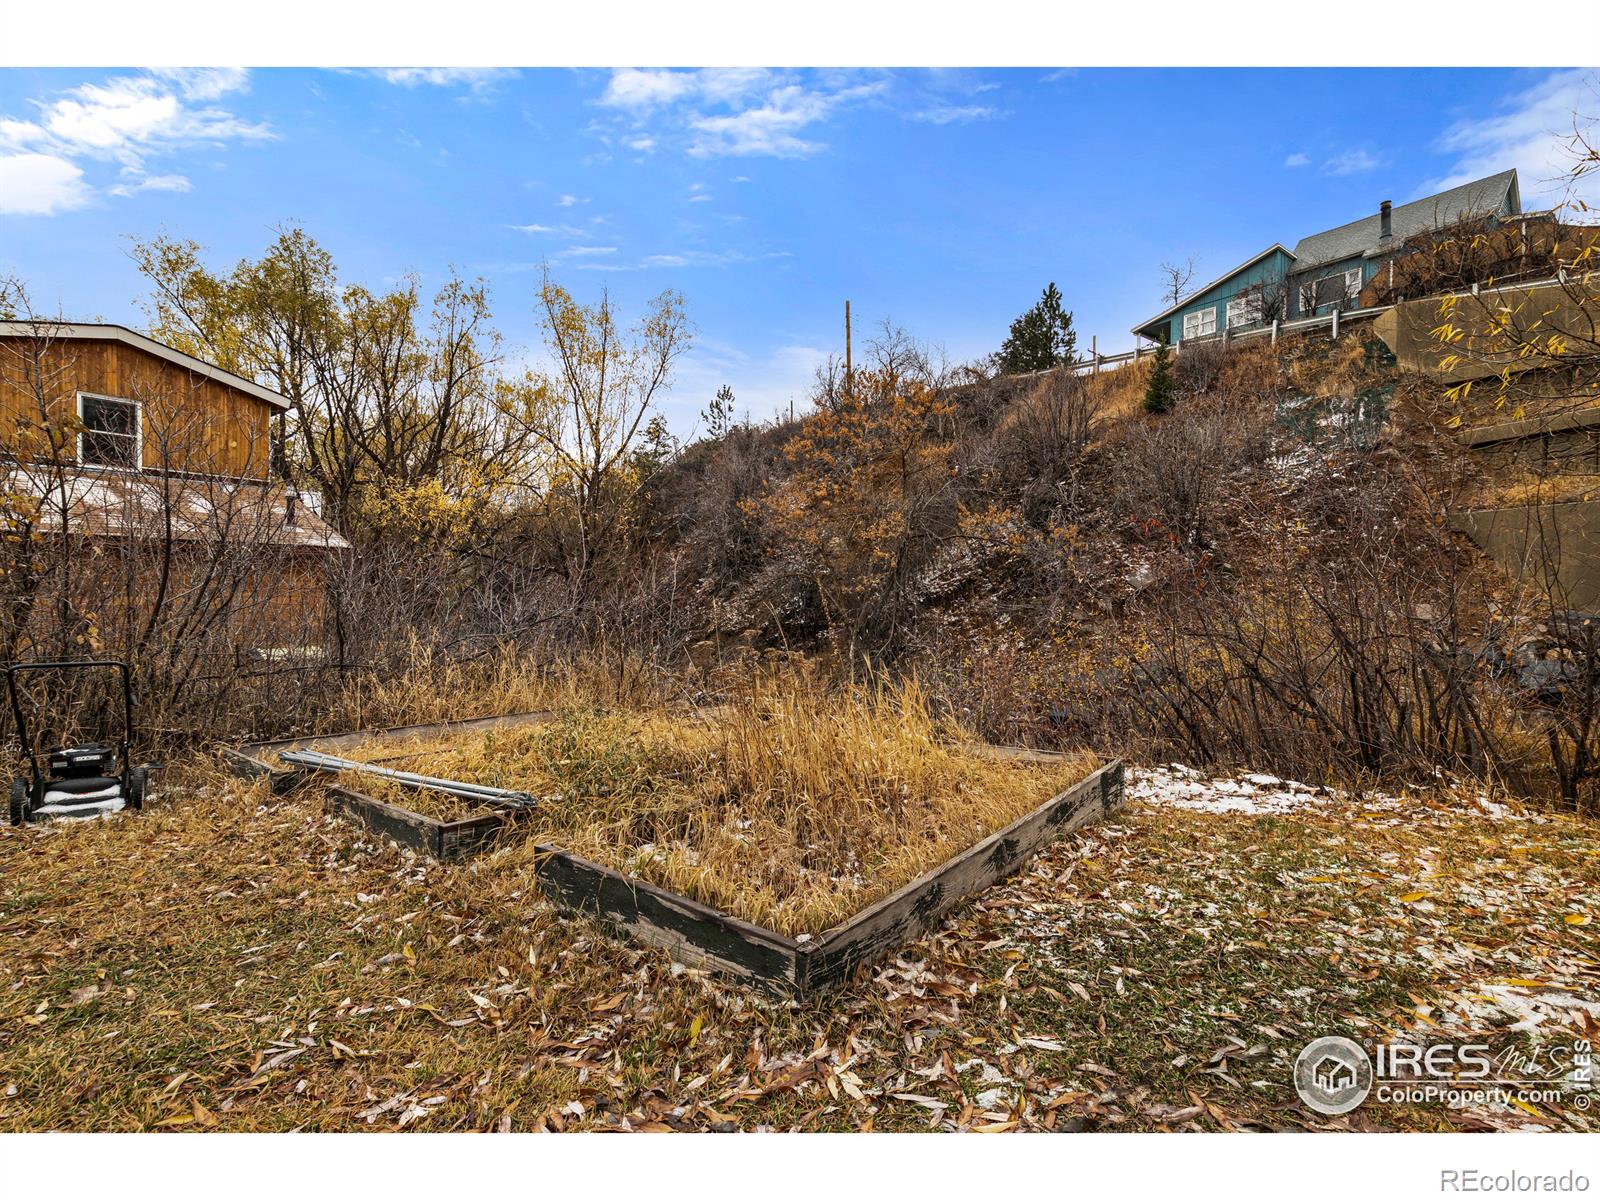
x: 1040, y: 338
x: 655, y: 448
x: 1158, y: 393
x: 719, y: 417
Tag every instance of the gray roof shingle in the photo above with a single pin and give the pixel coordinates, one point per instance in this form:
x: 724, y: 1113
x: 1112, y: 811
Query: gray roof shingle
x: 1431, y: 212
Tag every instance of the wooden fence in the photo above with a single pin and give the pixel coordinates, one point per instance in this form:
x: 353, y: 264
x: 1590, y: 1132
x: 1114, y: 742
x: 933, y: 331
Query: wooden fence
x: 1333, y: 322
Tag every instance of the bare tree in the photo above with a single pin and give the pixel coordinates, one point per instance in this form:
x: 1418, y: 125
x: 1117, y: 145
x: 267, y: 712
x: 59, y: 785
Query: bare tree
x: 1175, y: 280
x: 592, y: 405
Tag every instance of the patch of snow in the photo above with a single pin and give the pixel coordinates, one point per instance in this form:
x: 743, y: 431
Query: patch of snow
x: 1533, y: 1008
x: 991, y: 1073
x: 994, y: 1100
x: 1179, y: 786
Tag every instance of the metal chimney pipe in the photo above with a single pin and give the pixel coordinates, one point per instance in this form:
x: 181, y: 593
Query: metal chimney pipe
x: 1385, y: 221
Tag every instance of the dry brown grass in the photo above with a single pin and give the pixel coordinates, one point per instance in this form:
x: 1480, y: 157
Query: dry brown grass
x: 238, y: 961
x: 794, y: 808
x: 434, y: 687
x: 1511, y: 484
x: 1119, y: 394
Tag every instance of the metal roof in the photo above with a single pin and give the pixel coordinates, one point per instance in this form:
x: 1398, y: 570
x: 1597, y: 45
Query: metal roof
x: 1431, y: 212
x: 139, y: 504
x: 120, y: 333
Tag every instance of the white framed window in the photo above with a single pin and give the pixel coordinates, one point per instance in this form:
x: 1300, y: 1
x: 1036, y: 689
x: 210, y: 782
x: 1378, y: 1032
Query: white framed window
x: 1200, y: 323
x: 1244, y: 309
x: 111, y: 436
x: 1342, y: 289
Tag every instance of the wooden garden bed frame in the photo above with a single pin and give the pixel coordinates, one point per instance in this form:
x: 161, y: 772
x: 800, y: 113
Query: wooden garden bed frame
x: 697, y: 934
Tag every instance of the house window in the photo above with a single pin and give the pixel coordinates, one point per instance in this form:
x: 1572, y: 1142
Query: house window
x: 1244, y: 310
x: 1342, y: 290
x: 1201, y: 323
x: 110, y: 436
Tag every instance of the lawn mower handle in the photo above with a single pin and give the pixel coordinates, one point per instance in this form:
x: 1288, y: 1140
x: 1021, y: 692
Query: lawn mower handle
x: 17, y: 668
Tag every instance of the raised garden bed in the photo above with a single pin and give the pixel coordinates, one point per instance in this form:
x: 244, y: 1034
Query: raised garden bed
x: 695, y: 930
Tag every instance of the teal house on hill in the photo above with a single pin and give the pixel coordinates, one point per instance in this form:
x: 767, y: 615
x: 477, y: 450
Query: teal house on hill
x: 1326, y: 271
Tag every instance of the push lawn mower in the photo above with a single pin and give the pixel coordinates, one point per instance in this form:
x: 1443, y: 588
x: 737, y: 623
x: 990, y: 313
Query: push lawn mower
x: 89, y: 780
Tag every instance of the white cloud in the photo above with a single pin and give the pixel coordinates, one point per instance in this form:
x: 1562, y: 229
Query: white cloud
x: 476, y: 78
x: 631, y: 88
x: 772, y: 128
x: 727, y: 85
x: 1533, y: 132
x: 125, y: 119
x: 106, y: 118
x: 16, y: 134
x: 567, y: 201
x: 1351, y: 162
x: 40, y: 184
x: 153, y: 183
x: 735, y: 111
x: 586, y: 251
x: 1297, y: 160
x: 684, y: 258
x: 205, y: 83
x: 564, y: 230
x: 130, y: 115
x: 643, y: 144
x: 955, y: 114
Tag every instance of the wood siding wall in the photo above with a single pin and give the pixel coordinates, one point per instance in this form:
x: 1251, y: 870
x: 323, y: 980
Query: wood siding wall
x: 188, y: 422
x: 272, y: 597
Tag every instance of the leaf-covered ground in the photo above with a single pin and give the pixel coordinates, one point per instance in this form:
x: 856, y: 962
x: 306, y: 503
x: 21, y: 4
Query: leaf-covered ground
x: 235, y: 961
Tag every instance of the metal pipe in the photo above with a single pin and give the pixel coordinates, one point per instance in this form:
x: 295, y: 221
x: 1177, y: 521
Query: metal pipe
x: 317, y: 761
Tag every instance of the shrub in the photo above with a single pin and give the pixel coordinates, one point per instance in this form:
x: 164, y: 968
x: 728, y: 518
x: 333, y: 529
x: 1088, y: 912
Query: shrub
x: 1158, y: 393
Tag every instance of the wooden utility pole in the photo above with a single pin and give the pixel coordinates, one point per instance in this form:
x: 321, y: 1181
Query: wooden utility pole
x: 849, y: 381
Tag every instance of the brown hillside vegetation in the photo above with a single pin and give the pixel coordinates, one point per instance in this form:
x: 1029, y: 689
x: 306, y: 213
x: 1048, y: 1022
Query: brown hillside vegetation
x: 1264, y: 576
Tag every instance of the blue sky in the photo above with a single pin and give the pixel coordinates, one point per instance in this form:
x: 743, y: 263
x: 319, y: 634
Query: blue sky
x: 944, y: 200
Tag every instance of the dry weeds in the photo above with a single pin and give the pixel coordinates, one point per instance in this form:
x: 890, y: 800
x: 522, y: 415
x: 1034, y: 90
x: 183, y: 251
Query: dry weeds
x: 793, y: 808
x: 237, y: 961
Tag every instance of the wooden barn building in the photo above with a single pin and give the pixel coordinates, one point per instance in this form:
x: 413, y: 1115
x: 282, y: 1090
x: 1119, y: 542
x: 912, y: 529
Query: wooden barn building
x: 141, y: 498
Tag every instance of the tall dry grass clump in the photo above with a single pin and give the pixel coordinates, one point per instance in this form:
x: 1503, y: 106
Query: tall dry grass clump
x: 794, y: 807
x: 431, y: 686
